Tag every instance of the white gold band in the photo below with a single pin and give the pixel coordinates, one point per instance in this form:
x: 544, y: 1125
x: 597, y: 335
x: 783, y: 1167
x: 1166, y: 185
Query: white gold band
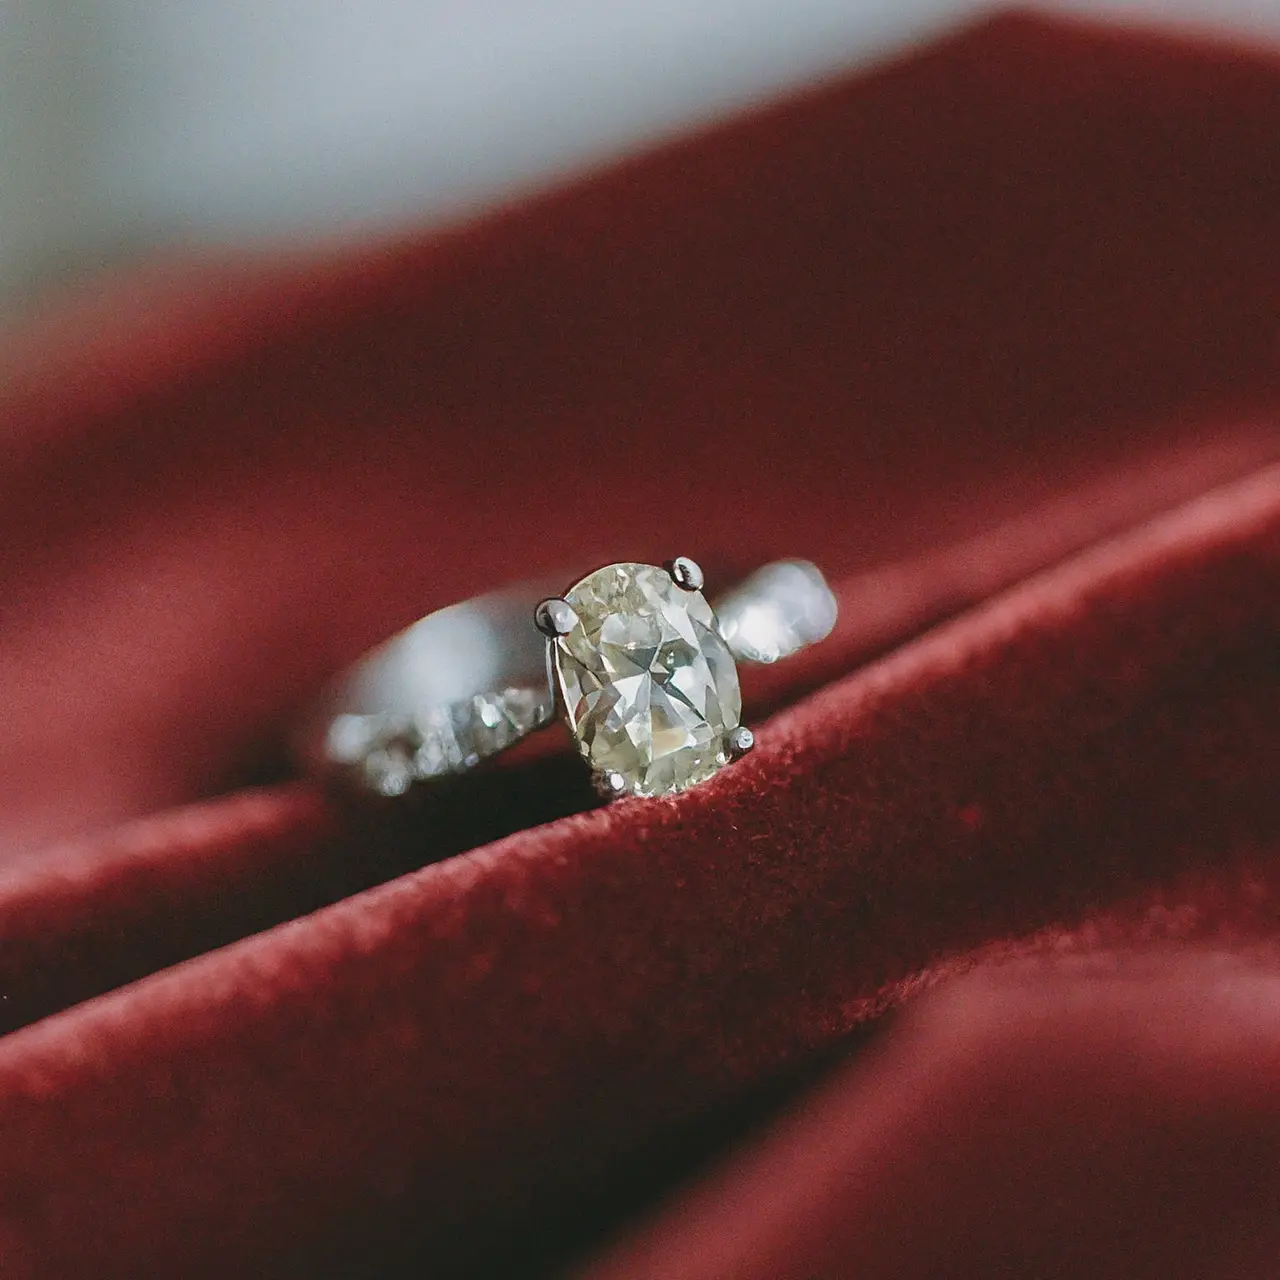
x: 465, y: 683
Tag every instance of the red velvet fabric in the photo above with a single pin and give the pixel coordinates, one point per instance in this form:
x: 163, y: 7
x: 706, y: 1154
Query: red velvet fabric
x: 991, y: 334
x: 1114, y: 1117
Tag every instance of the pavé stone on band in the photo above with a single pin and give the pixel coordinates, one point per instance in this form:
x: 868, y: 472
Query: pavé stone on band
x: 639, y: 666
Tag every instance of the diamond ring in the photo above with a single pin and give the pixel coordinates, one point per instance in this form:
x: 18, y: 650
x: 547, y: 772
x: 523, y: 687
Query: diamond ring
x: 635, y: 660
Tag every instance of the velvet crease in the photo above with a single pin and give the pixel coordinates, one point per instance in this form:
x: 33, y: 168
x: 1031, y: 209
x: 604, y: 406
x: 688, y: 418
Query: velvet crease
x: 989, y: 332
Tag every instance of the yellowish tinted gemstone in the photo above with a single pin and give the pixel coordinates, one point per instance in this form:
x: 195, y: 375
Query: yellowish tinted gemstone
x: 649, y: 686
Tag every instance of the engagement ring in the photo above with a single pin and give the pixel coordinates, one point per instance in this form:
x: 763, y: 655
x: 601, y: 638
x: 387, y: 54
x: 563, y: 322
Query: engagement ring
x: 635, y: 661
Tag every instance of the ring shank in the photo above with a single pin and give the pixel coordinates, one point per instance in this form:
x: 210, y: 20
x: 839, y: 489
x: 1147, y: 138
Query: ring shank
x: 451, y: 690
x: 468, y: 681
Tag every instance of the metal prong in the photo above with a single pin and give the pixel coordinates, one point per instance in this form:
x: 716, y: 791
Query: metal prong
x: 609, y: 785
x: 555, y: 617
x: 685, y: 573
x: 741, y: 740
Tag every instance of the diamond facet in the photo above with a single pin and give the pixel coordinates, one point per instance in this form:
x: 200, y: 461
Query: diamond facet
x: 649, y: 687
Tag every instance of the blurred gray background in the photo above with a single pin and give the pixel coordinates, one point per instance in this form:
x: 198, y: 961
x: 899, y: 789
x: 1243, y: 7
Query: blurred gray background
x: 126, y: 124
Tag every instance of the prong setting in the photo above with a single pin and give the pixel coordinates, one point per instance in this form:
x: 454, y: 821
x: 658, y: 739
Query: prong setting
x: 685, y: 573
x: 555, y: 617
x: 610, y: 785
x: 741, y: 740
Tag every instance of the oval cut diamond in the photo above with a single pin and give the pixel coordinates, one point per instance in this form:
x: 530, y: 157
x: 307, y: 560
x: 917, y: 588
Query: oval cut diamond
x: 649, y: 686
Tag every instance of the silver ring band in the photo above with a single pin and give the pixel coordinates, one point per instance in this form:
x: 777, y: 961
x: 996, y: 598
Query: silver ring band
x: 467, y: 682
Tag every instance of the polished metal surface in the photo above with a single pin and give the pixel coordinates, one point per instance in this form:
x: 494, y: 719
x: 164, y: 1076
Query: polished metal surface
x: 780, y: 609
x: 686, y: 573
x: 554, y: 617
